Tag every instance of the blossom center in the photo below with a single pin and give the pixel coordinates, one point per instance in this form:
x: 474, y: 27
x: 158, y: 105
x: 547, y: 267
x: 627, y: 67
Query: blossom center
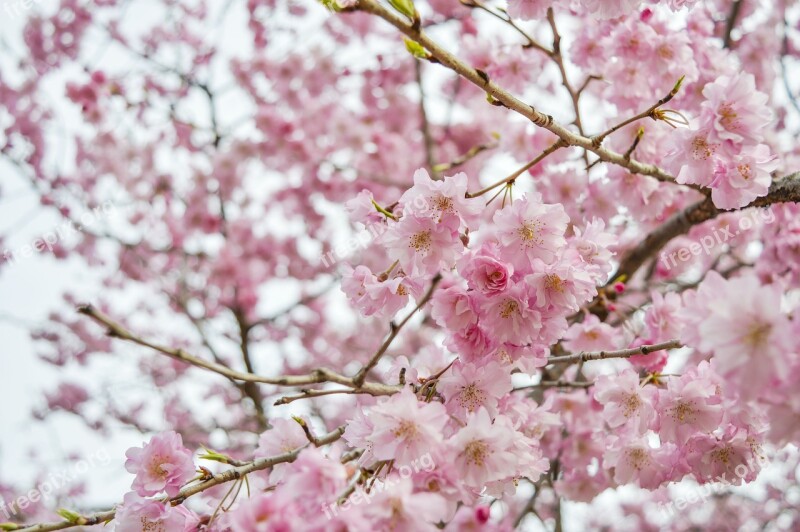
x: 476, y: 452
x: 443, y: 204
x: 421, y: 241
x: 508, y: 308
x: 637, y: 458
x: 529, y: 233
x: 631, y: 404
x: 471, y: 397
x: 683, y: 412
x: 745, y: 171
x: 157, y: 467
x: 722, y: 455
x: 758, y: 335
x: 728, y: 116
x: 701, y: 149
x: 152, y: 526
x: 554, y: 282
x: 406, y: 429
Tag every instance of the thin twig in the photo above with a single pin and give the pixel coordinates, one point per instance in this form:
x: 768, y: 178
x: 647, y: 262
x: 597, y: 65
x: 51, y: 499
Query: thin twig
x: 469, y: 155
x: 228, y: 475
x: 358, y: 379
x: 650, y: 112
x: 550, y: 149
x: 622, y: 353
x: 317, y: 376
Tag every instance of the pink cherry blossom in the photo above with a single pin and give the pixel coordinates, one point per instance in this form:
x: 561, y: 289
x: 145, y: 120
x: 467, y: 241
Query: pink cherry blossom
x: 689, y: 405
x: 737, y: 110
x: 509, y: 316
x: 162, y: 464
x: 635, y: 460
x: 625, y: 401
x: 484, y: 451
x: 528, y: 9
x: 528, y: 230
x: 454, y: 308
x: 744, y: 178
x: 591, y: 335
x: 485, y: 272
x: 468, y: 387
x: 424, y: 245
x: 750, y: 340
x: 404, y: 428
x: 717, y: 458
x: 136, y: 514
x: 400, y: 507
x: 440, y: 199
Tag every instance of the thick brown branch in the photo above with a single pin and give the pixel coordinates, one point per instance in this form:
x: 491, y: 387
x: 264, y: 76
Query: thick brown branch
x: 786, y: 190
x: 730, y: 23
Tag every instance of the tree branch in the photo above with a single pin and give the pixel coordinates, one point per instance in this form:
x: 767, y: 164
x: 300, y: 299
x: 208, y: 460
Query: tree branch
x: 786, y: 190
x: 228, y: 475
x: 730, y: 23
x: 317, y: 376
x: 550, y: 149
x: 359, y: 378
x: 503, y: 97
x: 622, y: 353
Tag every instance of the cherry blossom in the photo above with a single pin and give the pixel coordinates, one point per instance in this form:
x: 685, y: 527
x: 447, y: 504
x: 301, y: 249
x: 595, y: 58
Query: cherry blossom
x: 162, y: 464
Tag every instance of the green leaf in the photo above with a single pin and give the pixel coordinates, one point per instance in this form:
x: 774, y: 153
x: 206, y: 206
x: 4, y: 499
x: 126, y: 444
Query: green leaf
x: 416, y: 49
x: 330, y: 5
x: 214, y: 456
x: 677, y: 86
x: 405, y: 7
x: 73, y: 517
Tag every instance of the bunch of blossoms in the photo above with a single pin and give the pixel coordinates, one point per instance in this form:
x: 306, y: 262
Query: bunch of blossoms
x: 692, y: 425
x: 724, y: 150
x: 508, y: 290
x: 506, y: 299
x: 163, y: 465
x: 753, y: 342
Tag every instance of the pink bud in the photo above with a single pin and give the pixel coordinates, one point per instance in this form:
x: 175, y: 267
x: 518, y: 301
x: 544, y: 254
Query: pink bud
x: 482, y: 514
x: 619, y: 287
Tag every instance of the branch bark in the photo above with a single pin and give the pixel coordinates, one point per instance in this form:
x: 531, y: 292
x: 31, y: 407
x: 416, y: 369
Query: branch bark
x: 786, y: 190
x: 317, y: 376
x: 622, y: 353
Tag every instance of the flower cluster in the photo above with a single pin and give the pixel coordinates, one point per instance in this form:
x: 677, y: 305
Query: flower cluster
x: 725, y: 150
